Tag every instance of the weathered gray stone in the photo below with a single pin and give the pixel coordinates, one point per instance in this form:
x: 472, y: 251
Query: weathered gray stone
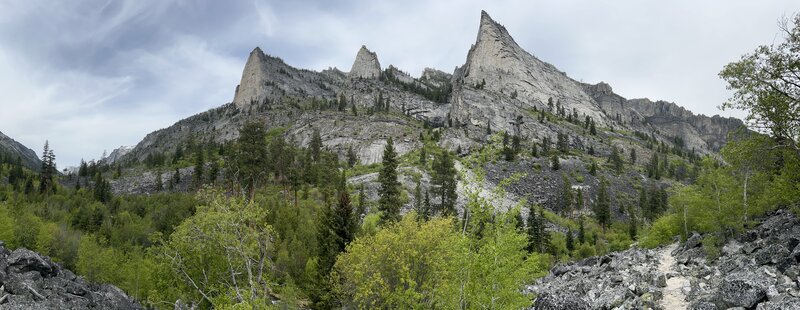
x: 366, y: 65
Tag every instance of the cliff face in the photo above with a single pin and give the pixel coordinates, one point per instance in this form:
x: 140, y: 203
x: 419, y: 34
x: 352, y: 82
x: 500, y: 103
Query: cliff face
x: 702, y: 133
x: 13, y: 149
x: 366, y: 65
x: 500, y: 81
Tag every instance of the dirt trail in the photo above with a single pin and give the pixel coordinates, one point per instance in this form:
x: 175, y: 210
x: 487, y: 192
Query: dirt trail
x: 673, y: 293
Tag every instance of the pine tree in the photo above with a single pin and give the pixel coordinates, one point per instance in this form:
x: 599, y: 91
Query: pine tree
x: 555, y: 164
x: 563, y: 143
x: 159, y: 182
x: 592, y: 128
x: 633, y: 155
x: 102, y: 189
x: 389, y: 202
x: 515, y: 144
x: 199, y: 169
x: 533, y: 230
x: 361, y: 208
x: 213, y: 172
x: 352, y: 158
x: 426, y: 206
x: 418, y: 198
x: 315, y: 146
x: 534, y: 151
x: 544, y: 237
x: 444, y: 183
x: 566, y: 195
x: 591, y: 150
x: 570, y: 241
x: 581, y: 231
x: 593, y: 168
x: 615, y: 159
x: 250, y: 158
x: 602, y: 208
x: 46, y: 182
x: 423, y: 156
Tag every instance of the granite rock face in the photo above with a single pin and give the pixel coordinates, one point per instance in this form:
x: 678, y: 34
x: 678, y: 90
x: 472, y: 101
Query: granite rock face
x: 501, y: 81
x: 366, y: 65
x: 31, y: 281
x: 252, y: 88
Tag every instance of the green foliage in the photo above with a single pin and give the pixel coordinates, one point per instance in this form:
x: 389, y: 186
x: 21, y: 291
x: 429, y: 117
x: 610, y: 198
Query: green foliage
x: 765, y: 84
x: 389, y: 203
x: 444, y: 183
x: 251, y: 156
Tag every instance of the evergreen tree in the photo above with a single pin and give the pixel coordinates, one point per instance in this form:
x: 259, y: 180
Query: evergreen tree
x: 591, y: 150
x: 423, y: 156
x: 579, y: 199
x: 418, y: 198
x: 534, y: 151
x: 566, y: 195
x: 102, y: 189
x: 251, y: 157
x: 602, y: 209
x: 544, y: 236
x: 533, y: 230
x: 592, y: 128
x: 508, y: 152
x: 199, y: 169
x: 515, y: 144
x: 389, y: 202
x: 315, y: 146
x: 352, y: 158
x: 46, y: 180
x: 159, y: 182
x: 563, y: 143
x: 615, y: 159
x: 444, y: 183
x: 633, y: 155
x: 554, y: 162
x: 213, y: 172
x: 426, y: 206
x: 362, y: 199
x: 581, y: 231
x: 593, y: 168
x: 570, y: 241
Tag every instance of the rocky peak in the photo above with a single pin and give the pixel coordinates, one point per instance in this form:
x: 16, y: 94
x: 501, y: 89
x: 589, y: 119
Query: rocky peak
x: 497, y: 67
x: 254, y: 78
x: 366, y: 65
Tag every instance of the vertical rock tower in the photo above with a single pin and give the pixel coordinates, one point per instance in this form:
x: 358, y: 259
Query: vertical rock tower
x: 366, y: 65
x: 252, y: 87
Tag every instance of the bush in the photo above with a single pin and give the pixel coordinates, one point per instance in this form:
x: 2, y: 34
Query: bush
x: 662, y: 232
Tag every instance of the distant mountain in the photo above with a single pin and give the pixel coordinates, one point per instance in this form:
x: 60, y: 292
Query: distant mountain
x: 500, y: 87
x: 13, y: 149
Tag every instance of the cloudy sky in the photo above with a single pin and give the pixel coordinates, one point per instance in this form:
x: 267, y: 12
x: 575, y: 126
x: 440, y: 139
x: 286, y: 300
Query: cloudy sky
x: 94, y: 75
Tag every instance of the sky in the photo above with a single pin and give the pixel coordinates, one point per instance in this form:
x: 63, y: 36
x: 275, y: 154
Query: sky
x: 92, y: 75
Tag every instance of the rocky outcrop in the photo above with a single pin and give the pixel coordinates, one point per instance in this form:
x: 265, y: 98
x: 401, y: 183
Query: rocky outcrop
x: 366, y: 65
x: 757, y: 270
x: 699, y: 132
x: 252, y: 88
x: 13, y: 149
x: 116, y: 154
x: 622, y: 280
x: 31, y: 281
x: 500, y: 80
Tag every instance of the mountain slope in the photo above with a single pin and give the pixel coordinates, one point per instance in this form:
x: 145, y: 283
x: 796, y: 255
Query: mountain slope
x: 12, y: 150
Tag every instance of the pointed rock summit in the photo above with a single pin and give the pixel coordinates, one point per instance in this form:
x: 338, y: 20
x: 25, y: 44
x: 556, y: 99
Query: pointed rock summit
x: 252, y: 87
x: 366, y: 65
x: 498, y: 65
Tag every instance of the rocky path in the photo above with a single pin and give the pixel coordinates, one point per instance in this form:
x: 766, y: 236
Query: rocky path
x: 673, y: 292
